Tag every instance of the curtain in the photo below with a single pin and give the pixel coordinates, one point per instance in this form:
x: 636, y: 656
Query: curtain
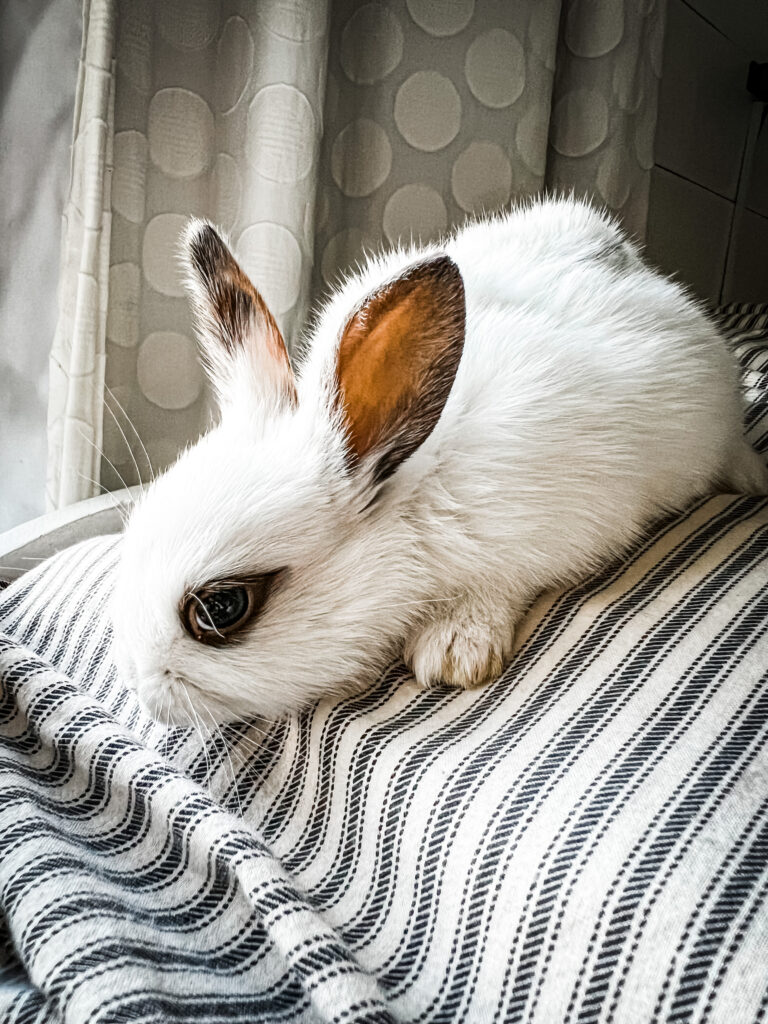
x: 39, y: 46
x: 76, y: 365
x: 310, y: 131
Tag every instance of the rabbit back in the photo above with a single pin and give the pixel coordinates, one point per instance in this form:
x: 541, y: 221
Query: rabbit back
x: 593, y: 396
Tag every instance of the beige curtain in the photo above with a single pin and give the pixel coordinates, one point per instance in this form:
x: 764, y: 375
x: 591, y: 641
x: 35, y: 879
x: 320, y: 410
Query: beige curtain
x: 310, y: 131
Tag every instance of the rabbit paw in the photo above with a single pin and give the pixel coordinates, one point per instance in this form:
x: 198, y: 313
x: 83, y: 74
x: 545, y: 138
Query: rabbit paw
x: 465, y: 653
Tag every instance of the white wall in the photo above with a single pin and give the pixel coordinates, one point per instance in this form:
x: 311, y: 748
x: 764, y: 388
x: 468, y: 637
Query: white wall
x: 705, y: 112
x: 39, y: 50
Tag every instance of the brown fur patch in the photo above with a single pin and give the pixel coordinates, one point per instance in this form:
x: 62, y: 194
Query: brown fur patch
x: 397, y: 360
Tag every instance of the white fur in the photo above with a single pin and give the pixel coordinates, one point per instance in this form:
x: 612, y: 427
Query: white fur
x: 591, y: 397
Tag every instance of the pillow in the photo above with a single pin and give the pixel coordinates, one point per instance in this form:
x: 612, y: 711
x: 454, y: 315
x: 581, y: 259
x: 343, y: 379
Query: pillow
x: 583, y: 840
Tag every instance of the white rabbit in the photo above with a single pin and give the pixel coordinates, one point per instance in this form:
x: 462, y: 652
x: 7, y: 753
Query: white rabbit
x: 473, y: 422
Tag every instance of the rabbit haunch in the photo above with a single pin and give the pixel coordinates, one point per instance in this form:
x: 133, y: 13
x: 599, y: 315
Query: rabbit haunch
x: 473, y: 422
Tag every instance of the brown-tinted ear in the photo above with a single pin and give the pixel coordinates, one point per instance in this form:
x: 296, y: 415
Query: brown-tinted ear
x: 237, y: 331
x: 397, y: 359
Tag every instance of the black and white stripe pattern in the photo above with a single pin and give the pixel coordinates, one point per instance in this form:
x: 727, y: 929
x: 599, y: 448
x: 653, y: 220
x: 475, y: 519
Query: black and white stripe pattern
x: 584, y: 841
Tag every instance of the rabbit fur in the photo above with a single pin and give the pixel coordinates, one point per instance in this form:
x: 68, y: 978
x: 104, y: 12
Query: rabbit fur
x: 580, y: 396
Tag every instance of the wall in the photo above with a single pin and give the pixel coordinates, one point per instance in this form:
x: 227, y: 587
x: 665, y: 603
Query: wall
x: 705, y: 112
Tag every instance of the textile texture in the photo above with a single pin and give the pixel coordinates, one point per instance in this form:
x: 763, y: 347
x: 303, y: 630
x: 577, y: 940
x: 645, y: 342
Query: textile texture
x: 308, y: 132
x: 583, y: 840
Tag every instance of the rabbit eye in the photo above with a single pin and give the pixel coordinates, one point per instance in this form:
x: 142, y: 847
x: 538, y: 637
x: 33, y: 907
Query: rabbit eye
x: 214, y: 612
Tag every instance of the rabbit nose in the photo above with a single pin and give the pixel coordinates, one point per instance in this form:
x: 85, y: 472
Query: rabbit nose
x: 154, y: 690
x: 162, y: 696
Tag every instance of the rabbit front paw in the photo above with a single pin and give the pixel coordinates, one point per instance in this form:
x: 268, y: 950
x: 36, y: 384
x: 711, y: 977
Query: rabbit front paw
x: 464, y: 652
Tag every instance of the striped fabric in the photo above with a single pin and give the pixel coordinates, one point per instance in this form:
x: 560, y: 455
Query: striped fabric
x: 584, y: 841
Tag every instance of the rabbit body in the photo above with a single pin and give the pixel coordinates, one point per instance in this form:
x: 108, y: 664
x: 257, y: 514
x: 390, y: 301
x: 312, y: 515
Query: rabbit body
x: 591, y: 396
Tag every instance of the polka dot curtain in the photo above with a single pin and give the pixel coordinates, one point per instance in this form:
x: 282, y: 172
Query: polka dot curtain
x: 310, y: 132
x: 436, y: 111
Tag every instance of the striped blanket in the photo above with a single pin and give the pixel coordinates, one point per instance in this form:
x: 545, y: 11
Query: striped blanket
x: 583, y: 841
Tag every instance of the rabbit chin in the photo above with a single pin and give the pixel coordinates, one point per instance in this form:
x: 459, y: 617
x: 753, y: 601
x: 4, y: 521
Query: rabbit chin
x: 173, y: 698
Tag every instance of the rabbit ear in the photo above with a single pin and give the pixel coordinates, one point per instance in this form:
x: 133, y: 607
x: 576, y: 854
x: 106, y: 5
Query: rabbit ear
x: 242, y: 345
x: 397, y: 359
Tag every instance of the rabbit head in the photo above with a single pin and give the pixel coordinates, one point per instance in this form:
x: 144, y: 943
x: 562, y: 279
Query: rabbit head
x: 272, y: 563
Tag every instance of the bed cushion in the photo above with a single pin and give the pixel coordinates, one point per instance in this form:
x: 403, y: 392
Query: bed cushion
x: 584, y: 840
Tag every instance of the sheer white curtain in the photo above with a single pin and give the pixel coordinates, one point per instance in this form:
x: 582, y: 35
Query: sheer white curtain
x: 39, y: 46
x: 309, y: 130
